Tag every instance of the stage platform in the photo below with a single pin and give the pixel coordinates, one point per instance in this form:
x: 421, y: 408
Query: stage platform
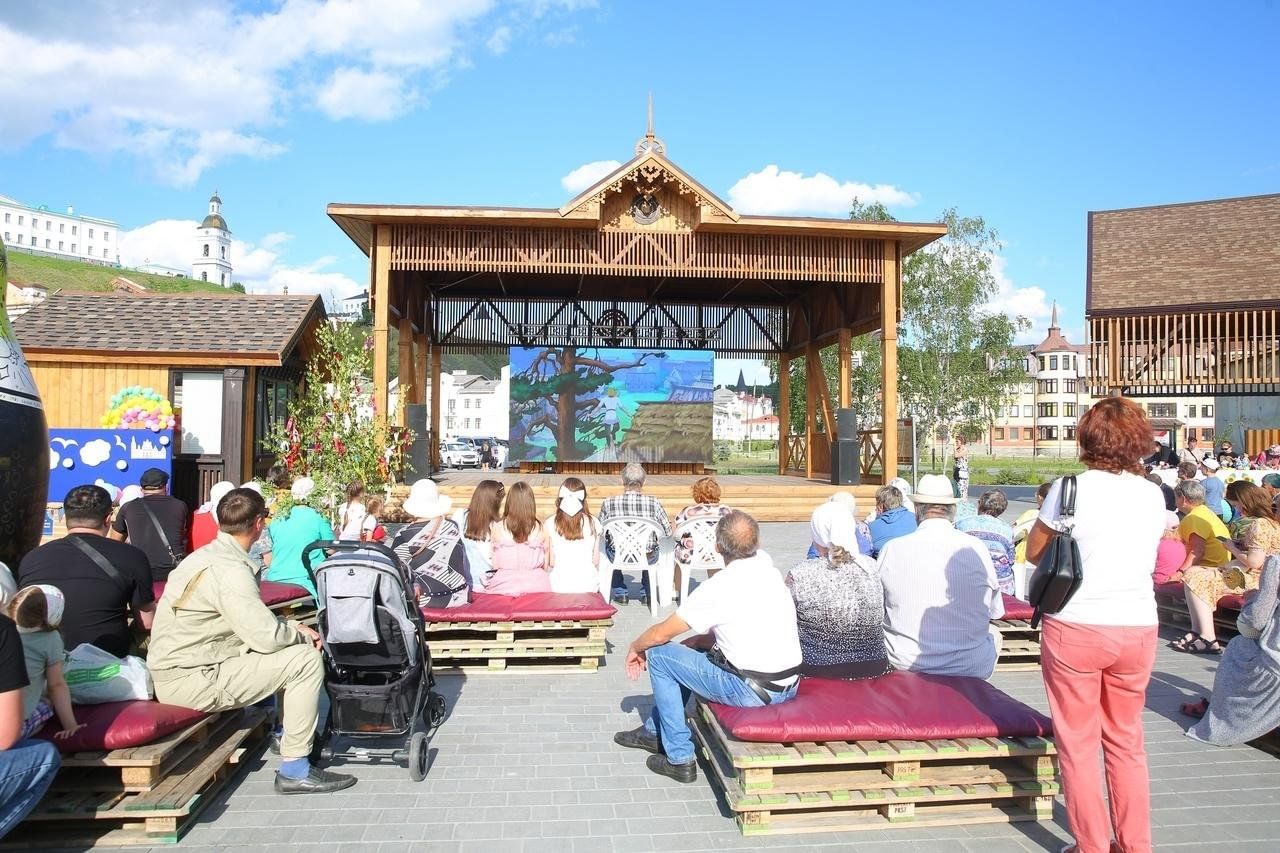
x: 767, y: 498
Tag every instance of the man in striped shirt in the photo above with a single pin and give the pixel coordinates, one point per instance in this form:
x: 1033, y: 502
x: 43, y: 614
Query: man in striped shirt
x: 940, y: 592
x: 633, y: 503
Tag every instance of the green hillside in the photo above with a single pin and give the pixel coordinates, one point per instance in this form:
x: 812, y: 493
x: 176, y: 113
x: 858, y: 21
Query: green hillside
x: 60, y: 274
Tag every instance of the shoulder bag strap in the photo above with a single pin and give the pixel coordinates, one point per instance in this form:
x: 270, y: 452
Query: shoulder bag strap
x: 1067, y: 503
x: 102, y: 562
x: 159, y: 529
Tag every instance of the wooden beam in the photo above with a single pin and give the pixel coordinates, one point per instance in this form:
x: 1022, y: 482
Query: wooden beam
x: 889, y: 290
x: 812, y: 366
x: 250, y: 419
x: 380, y: 295
x: 436, y: 437
x: 846, y: 368
x: 177, y: 360
x: 408, y: 383
x: 421, y: 354
x: 784, y: 410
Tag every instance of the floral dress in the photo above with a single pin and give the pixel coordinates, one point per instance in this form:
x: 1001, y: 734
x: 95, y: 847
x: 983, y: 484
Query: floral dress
x: 1210, y: 584
x: 684, y: 545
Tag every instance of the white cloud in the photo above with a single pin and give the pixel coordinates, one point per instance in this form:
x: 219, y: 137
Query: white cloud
x: 587, y: 174
x: 777, y: 192
x: 185, y: 84
x: 365, y: 95
x: 1030, y: 302
x: 500, y: 40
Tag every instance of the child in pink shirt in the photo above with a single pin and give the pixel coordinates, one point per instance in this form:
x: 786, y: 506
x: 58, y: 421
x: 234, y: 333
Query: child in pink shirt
x: 1171, y: 553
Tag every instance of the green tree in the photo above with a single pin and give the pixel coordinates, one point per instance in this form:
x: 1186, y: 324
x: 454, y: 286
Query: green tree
x: 957, y: 360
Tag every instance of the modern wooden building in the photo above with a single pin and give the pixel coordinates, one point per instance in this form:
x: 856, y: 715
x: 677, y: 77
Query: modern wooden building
x: 228, y: 363
x: 1183, y: 300
x: 648, y: 256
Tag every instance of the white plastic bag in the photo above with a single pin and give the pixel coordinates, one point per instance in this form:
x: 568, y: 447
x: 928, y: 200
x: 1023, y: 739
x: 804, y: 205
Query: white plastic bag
x: 95, y: 676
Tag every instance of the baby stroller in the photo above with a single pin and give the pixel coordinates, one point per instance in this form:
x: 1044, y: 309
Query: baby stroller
x: 377, y: 665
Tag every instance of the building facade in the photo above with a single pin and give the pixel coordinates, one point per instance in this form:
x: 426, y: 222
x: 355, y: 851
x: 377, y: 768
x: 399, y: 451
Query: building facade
x: 475, y: 406
x: 738, y: 415
x: 213, y: 247
x: 41, y: 231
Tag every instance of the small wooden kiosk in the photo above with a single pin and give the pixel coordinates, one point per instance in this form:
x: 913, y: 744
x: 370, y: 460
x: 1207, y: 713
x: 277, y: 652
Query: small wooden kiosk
x: 647, y: 256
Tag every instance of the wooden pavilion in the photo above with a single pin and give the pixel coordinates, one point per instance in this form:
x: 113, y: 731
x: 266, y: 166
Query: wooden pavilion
x: 647, y: 256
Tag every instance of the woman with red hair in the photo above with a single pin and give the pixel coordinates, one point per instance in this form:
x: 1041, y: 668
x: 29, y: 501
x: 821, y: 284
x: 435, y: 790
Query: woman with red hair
x: 1097, y: 652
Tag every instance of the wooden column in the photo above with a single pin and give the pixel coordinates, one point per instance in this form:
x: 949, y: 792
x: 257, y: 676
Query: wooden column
x: 846, y: 368
x: 380, y: 293
x: 233, y: 436
x: 421, y: 348
x: 436, y: 437
x: 408, y: 382
x: 812, y: 365
x: 784, y: 410
x: 889, y: 292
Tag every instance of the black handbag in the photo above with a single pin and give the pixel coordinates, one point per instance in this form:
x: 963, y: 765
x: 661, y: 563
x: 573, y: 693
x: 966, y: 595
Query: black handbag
x: 1059, y: 572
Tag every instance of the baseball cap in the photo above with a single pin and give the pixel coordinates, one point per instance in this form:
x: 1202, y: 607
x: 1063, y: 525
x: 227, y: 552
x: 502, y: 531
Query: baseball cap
x: 1210, y: 464
x: 153, y: 478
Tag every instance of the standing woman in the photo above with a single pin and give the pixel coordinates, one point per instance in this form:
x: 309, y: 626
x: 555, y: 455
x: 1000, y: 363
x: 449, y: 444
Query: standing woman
x: 1097, y: 653
x: 573, y: 538
x: 519, y: 547
x: 486, y: 455
x: 961, y: 470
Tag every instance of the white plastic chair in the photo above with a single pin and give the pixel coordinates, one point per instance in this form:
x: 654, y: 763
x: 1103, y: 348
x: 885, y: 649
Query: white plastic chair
x: 703, y: 533
x: 630, y: 537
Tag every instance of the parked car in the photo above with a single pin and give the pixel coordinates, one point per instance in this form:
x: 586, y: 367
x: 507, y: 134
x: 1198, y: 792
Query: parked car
x: 457, y: 454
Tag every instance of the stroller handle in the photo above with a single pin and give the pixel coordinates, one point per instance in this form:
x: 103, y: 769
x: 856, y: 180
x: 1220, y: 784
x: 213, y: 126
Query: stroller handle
x: 347, y: 546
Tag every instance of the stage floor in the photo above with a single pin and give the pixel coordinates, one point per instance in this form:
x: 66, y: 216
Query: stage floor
x: 767, y: 498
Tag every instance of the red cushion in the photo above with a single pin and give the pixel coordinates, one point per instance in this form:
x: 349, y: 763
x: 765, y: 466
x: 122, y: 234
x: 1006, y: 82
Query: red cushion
x: 531, y: 607
x: 120, y: 725
x: 1016, y: 608
x: 272, y: 593
x: 897, y: 706
x: 1231, y: 601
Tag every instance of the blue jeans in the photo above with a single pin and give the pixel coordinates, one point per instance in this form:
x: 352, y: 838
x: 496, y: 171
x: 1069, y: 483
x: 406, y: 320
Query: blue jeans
x: 618, y: 582
x: 676, y: 671
x: 26, y: 769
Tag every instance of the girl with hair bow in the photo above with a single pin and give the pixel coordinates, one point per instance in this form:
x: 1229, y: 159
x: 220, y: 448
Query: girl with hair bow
x: 574, y: 558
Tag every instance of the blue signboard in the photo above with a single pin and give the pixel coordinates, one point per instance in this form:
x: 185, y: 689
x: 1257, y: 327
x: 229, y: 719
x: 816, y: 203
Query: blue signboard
x: 115, y: 457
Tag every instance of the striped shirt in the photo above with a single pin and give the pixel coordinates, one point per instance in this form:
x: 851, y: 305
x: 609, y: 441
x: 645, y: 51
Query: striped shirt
x: 940, y: 595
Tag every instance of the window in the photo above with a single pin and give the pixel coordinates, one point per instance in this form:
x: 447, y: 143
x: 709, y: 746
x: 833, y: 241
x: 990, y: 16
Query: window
x: 90, y: 252
x: 1206, y: 435
x: 1068, y: 410
x: 204, y: 276
x: 1191, y: 411
x: 224, y: 253
x: 47, y: 241
x: 73, y: 230
x: 1162, y: 410
x: 34, y: 223
x: 1048, y: 410
x: 1028, y: 434
x: 33, y: 239
x: 6, y: 219
x: 1053, y: 362
x: 1048, y: 433
x: 1042, y: 362
x: 62, y: 228
x: 206, y: 246
x: 1069, y: 433
x: 90, y: 233
x: 999, y: 434
x: 48, y: 225
x: 198, y: 397
x: 1028, y: 411
x: 106, y: 236
x: 59, y: 245
x: 1206, y: 411
x: 272, y: 409
x: 222, y: 279
x: 19, y: 219
x: 1048, y: 386
x: 73, y: 248
x: 1069, y: 386
x: 104, y: 253
x: 1026, y: 365
x: 453, y: 404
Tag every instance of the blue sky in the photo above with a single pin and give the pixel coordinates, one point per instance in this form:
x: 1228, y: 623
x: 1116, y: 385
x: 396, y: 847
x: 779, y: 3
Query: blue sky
x: 1029, y: 114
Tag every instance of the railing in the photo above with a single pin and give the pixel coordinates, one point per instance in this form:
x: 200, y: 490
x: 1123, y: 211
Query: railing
x: 871, y: 451
x: 797, y: 460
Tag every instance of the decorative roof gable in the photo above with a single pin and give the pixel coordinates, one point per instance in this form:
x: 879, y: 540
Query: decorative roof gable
x: 650, y: 171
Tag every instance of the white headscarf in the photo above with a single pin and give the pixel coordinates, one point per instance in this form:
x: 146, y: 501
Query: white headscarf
x: 571, y: 501
x: 828, y: 520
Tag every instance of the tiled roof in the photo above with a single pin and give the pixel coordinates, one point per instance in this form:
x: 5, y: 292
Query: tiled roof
x: 1218, y: 253
x: 211, y: 324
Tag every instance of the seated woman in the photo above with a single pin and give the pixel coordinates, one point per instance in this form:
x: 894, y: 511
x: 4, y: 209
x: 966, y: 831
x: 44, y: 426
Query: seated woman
x: 1241, y: 519
x: 429, y: 545
x: 519, y: 547
x: 475, y: 521
x: 706, y: 504
x: 840, y: 611
x: 573, y: 540
x: 1246, y: 688
x: 1204, y: 584
x: 291, y: 532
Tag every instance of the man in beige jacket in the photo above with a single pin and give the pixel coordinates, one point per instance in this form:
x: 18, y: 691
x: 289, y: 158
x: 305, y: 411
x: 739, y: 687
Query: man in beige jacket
x: 215, y: 646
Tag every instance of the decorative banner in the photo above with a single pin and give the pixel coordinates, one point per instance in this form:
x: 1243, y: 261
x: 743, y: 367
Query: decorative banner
x: 105, y: 457
x: 594, y: 404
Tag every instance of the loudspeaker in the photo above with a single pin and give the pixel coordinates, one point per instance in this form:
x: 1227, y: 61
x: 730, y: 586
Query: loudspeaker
x: 846, y: 469
x: 415, y: 417
x: 846, y: 425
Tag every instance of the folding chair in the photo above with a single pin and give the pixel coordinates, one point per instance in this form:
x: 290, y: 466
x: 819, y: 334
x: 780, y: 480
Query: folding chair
x: 703, y: 533
x: 630, y: 537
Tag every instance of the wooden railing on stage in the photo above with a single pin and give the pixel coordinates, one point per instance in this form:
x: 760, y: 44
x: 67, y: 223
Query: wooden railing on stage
x: 871, y: 451
x: 534, y: 467
x: 1186, y: 352
x: 797, y: 460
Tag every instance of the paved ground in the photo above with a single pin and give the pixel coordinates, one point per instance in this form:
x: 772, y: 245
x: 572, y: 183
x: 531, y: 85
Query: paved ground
x: 525, y: 763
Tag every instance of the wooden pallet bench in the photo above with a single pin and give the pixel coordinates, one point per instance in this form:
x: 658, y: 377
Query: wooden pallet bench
x: 561, y: 645
x: 146, y: 795
x: 1171, y: 607
x: 1020, y: 647
x: 775, y: 788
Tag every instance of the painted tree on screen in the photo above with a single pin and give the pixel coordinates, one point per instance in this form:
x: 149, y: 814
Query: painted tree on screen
x: 558, y: 390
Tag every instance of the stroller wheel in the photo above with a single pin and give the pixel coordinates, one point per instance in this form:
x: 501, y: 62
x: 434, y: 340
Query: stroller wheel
x: 435, y: 710
x: 418, y: 756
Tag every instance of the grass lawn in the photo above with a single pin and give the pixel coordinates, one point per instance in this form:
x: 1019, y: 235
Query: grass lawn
x: 1013, y: 470
x: 751, y: 462
x: 59, y: 274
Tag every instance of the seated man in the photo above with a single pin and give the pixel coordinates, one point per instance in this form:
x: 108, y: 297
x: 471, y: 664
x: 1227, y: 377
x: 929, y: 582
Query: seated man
x: 101, y: 580
x: 215, y: 645
x: 892, y: 519
x: 746, y: 652
x: 27, y: 767
x: 633, y: 503
x: 995, y: 534
x: 157, y: 522
x: 940, y: 592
